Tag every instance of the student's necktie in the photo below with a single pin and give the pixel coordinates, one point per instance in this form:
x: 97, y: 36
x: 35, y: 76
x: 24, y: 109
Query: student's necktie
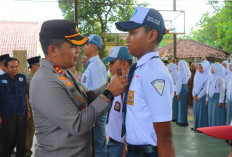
x: 130, y: 76
x: 86, y: 66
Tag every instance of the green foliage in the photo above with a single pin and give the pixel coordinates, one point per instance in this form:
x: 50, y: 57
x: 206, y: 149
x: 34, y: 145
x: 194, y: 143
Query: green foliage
x: 167, y: 39
x: 216, y: 30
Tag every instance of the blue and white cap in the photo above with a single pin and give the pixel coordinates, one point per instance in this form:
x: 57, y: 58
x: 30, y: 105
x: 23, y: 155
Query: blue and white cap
x: 141, y: 17
x: 118, y: 52
x: 95, y: 39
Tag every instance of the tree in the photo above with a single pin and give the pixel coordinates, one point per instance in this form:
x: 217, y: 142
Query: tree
x: 98, y: 16
x: 216, y: 30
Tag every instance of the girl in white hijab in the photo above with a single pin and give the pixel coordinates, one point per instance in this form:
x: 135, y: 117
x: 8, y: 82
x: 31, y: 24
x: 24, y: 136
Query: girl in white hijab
x: 225, y: 69
x: 182, y: 92
x: 216, y: 96
x: 173, y: 70
x: 200, y: 109
x: 229, y: 95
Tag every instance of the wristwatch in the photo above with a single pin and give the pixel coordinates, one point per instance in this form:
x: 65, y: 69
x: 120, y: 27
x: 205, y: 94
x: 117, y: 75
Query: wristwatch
x: 108, y: 94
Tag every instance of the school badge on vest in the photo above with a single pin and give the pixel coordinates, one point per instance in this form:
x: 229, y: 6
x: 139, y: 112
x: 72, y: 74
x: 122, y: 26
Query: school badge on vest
x: 130, y: 98
x: 159, y: 85
x: 117, y: 106
x: 21, y: 79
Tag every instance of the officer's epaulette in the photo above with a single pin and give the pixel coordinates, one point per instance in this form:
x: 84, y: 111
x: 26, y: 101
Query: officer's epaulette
x: 58, y: 69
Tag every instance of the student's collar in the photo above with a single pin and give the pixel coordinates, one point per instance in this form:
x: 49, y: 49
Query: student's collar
x: 146, y: 58
x: 94, y: 58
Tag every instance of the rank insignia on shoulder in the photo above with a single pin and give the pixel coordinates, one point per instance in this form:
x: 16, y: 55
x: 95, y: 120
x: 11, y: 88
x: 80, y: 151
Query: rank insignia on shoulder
x: 68, y: 83
x: 57, y: 68
x: 117, y: 106
x: 159, y: 85
x: 130, y: 98
x: 79, y: 97
x: 63, y: 78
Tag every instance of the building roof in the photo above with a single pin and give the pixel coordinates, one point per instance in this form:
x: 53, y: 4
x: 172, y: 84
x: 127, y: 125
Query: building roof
x: 188, y: 48
x: 19, y: 36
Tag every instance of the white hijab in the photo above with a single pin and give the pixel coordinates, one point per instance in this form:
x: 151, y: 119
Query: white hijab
x: 229, y: 84
x: 214, y: 77
x: 201, y: 78
x: 183, y: 70
x: 225, y: 70
x: 173, y: 70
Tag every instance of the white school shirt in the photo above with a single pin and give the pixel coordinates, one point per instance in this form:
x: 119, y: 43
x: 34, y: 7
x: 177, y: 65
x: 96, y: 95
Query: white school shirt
x: 2, y: 72
x: 114, y: 125
x: 149, y: 100
x: 219, y: 88
x: 95, y: 75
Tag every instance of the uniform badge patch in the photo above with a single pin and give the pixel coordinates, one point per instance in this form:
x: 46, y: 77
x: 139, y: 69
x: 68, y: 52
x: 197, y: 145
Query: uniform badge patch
x: 68, y: 83
x: 117, y: 106
x: 130, y: 98
x: 56, y: 68
x: 159, y: 85
x: 4, y: 81
x: 84, y: 79
x: 21, y: 79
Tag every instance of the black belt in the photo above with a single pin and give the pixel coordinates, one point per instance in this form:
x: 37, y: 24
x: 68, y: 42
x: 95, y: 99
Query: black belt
x: 114, y: 141
x: 141, y: 148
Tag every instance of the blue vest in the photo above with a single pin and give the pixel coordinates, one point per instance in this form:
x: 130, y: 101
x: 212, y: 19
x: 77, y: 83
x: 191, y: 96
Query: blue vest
x: 13, y: 95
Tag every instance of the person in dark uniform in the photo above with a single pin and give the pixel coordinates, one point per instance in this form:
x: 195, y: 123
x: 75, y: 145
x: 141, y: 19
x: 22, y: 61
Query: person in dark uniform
x: 14, y: 107
x: 33, y: 66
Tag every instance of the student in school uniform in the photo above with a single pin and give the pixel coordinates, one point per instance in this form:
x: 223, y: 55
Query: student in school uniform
x: 216, y: 96
x: 225, y: 70
x: 229, y: 95
x: 172, y: 67
x: 182, y: 92
x: 199, y: 95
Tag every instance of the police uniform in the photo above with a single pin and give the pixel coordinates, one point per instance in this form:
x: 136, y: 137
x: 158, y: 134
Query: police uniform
x: 64, y: 111
x: 149, y: 100
x: 30, y: 123
x: 13, y: 111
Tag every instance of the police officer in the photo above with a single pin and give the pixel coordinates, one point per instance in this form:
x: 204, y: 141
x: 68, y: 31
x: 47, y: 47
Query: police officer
x: 14, y: 108
x: 119, y: 58
x: 33, y: 66
x: 148, y: 106
x: 2, y: 67
x: 64, y: 111
x: 93, y: 77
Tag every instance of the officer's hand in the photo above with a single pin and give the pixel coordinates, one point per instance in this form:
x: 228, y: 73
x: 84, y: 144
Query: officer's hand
x: 220, y: 104
x: 118, y: 85
x: 28, y: 115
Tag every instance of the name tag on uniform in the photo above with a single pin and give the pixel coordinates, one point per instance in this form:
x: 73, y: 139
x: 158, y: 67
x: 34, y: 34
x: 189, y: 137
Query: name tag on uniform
x: 117, y: 106
x: 4, y: 81
x: 130, y: 98
x: 159, y: 85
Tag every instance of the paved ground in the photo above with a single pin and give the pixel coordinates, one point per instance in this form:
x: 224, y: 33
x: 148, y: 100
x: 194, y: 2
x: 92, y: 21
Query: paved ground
x: 192, y: 144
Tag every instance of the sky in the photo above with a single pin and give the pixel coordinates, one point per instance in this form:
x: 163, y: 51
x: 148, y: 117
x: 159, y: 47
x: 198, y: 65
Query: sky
x: 41, y: 10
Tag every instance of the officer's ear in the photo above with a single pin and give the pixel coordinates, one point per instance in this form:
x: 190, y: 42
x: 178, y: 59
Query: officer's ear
x: 52, y: 51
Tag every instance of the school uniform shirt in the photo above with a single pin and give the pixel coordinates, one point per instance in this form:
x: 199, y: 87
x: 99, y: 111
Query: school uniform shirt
x: 149, y: 100
x: 174, y: 74
x: 1, y: 72
x: 114, y: 125
x: 95, y: 74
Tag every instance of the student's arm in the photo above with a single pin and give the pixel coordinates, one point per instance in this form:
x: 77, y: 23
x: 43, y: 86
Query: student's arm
x: 165, y: 144
x: 222, y: 90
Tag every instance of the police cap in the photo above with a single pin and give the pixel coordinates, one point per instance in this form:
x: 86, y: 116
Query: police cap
x: 3, y: 57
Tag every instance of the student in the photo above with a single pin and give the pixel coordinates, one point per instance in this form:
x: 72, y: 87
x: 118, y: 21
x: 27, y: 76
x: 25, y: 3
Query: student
x: 229, y: 95
x: 182, y: 92
x: 225, y: 70
x: 172, y: 67
x: 215, y: 96
x: 147, y: 105
x: 199, y: 95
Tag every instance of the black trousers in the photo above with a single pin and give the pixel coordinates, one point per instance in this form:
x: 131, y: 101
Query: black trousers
x: 14, y: 131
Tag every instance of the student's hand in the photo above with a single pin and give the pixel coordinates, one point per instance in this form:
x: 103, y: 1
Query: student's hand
x: 28, y: 115
x: 0, y: 120
x: 226, y: 106
x: 197, y: 98
x: 178, y: 97
x: 220, y: 104
x: 206, y: 103
x: 118, y: 84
